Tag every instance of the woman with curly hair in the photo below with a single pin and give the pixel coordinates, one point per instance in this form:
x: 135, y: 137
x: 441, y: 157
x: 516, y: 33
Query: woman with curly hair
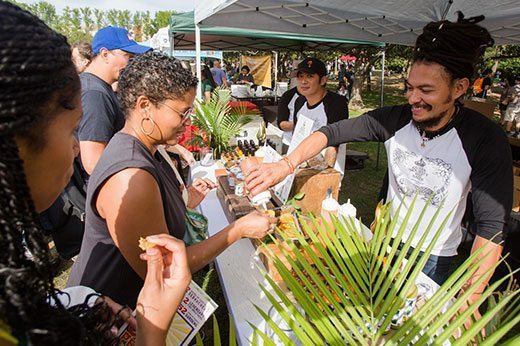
x: 133, y: 191
x: 40, y: 108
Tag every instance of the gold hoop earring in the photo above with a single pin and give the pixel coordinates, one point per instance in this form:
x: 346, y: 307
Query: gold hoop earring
x: 149, y: 133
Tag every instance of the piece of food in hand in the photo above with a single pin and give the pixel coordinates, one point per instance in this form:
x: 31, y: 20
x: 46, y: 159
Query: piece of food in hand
x: 287, y: 224
x: 269, y: 212
x: 145, y: 244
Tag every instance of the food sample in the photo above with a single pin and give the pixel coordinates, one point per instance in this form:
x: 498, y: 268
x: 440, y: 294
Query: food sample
x: 270, y: 212
x: 287, y: 225
x: 145, y: 244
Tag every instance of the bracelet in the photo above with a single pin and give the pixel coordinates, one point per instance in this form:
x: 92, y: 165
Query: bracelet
x: 291, y: 167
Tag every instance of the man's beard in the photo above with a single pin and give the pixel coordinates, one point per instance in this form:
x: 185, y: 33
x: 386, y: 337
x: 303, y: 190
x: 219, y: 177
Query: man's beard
x: 432, y: 122
x: 435, y: 120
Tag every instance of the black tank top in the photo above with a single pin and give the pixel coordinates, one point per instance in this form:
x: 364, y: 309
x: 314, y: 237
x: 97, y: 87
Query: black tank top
x: 100, y: 264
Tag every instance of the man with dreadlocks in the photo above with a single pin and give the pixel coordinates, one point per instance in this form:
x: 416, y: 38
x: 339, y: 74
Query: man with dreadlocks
x: 437, y: 149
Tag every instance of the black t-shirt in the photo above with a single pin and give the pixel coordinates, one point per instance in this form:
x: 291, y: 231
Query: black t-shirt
x: 102, y: 117
x: 286, y: 105
x: 472, y: 153
x: 249, y: 78
x: 330, y: 109
x: 486, y: 82
x: 100, y: 264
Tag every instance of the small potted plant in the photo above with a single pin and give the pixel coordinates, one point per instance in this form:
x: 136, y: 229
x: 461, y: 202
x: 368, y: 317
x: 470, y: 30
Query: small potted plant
x: 218, y: 122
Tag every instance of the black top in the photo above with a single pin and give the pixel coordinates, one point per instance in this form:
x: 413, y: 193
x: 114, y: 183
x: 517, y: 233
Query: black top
x: 472, y: 152
x: 333, y: 106
x: 100, y: 264
x: 249, y: 78
x: 102, y: 117
x: 284, y: 108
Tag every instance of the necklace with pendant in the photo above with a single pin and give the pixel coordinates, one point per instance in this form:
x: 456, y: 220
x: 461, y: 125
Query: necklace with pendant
x: 424, y: 136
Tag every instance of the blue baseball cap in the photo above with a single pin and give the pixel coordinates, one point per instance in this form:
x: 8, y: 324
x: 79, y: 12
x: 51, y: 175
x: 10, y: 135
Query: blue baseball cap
x: 112, y: 37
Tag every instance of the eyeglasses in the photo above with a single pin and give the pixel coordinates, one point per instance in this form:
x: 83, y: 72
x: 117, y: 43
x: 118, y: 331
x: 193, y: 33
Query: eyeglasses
x: 184, y: 115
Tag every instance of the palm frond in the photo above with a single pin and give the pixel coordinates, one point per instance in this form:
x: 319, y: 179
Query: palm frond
x: 344, y: 289
x: 217, y: 121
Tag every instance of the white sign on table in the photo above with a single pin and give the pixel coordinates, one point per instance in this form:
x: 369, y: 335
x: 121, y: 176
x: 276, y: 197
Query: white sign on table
x: 302, y: 130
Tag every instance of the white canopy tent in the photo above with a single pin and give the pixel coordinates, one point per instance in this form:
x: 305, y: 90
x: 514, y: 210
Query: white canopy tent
x: 390, y: 21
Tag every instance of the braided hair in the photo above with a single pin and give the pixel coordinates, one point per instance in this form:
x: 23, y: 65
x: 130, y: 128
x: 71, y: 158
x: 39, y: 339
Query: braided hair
x: 37, y: 78
x: 456, y: 46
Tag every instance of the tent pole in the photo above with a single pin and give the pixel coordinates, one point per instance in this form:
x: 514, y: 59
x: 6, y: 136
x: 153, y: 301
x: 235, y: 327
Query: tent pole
x: 172, y: 43
x: 197, y: 58
x: 275, y: 75
x: 382, y: 100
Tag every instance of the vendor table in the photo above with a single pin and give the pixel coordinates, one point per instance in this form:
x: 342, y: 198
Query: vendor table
x: 239, y: 276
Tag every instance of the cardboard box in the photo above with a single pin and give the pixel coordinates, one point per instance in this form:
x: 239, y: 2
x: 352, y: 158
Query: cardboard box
x: 315, y: 184
x: 482, y: 106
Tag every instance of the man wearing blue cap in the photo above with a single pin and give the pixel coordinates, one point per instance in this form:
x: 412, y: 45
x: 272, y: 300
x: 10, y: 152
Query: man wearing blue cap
x: 112, y: 47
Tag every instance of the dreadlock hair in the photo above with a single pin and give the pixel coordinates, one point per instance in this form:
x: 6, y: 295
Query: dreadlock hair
x: 455, y: 46
x: 37, y: 78
x: 156, y: 76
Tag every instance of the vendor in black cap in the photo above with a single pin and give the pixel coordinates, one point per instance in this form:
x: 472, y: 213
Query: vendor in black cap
x: 438, y: 150
x: 315, y: 101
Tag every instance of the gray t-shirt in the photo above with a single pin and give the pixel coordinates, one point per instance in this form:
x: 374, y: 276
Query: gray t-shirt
x: 100, y: 264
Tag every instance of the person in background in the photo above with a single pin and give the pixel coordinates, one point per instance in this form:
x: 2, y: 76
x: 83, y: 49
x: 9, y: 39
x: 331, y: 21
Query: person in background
x: 349, y: 80
x: 37, y: 122
x: 286, y: 115
x: 513, y: 109
x: 487, y: 83
x: 81, y: 55
x: 219, y: 76
x: 207, y: 84
x: 245, y: 77
x: 133, y: 191
x: 504, y: 99
x: 102, y: 117
x: 319, y: 105
x: 437, y: 149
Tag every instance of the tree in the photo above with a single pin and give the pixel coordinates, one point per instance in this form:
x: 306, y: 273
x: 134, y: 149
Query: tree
x: 162, y: 18
x: 99, y: 18
x: 367, y: 57
x: 88, y: 22
x: 148, y: 25
x: 124, y: 19
x: 112, y: 16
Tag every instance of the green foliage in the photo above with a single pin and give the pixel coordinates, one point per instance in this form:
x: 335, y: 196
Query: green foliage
x: 218, y: 122
x: 79, y: 24
x: 347, y: 289
x: 162, y: 18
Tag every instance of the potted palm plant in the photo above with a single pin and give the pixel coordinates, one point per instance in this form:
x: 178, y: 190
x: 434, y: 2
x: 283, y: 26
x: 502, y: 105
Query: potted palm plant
x: 351, y: 290
x: 218, y: 122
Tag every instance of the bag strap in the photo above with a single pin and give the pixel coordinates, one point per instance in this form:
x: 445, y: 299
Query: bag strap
x: 164, y: 154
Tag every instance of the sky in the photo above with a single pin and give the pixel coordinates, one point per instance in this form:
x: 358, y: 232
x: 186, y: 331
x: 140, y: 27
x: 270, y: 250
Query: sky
x: 132, y: 5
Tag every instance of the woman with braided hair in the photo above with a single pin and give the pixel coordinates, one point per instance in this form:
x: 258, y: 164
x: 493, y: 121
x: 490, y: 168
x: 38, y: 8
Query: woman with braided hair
x: 40, y: 108
x: 437, y: 149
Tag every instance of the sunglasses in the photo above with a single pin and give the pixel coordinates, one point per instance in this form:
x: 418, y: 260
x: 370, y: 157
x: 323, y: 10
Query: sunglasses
x: 184, y: 115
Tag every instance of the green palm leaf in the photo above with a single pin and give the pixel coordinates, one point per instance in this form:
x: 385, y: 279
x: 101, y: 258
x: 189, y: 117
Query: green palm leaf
x: 218, y: 122
x: 342, y: 289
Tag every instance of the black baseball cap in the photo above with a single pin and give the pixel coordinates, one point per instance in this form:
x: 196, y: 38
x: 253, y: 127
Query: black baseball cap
x: 311, y: 66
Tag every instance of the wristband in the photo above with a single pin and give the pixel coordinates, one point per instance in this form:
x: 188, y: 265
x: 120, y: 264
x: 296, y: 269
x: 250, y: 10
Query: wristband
x: 291, y: 167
